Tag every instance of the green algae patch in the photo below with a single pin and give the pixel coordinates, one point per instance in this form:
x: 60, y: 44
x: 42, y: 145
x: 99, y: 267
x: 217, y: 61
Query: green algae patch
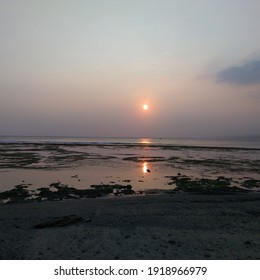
x: 251, y: 183
x: 18, y: 194
x: 221, y: 185
x: 18, y: 159
x: 58, y: 191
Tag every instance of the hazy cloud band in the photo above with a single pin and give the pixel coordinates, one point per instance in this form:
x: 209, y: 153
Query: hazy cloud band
x: 246, y: 74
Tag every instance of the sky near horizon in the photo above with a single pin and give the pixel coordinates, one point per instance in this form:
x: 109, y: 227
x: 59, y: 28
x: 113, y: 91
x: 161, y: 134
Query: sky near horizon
x: 86, y: 67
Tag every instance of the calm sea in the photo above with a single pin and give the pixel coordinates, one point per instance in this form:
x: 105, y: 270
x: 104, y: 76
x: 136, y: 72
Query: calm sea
x: 250, y: 142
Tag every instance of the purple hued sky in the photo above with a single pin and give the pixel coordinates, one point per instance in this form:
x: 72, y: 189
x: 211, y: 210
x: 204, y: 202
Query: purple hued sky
x: 86, y: 67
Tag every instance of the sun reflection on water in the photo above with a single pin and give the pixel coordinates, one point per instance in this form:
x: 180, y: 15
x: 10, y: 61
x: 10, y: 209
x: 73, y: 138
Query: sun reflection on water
x: 145, y: 141
x: 145, y: 167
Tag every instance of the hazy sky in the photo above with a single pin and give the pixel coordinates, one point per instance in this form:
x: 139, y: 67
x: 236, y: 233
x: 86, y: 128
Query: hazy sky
x: 86, y: 67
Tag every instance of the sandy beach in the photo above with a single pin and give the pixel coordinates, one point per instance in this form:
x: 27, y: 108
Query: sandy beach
x: 177, y: 226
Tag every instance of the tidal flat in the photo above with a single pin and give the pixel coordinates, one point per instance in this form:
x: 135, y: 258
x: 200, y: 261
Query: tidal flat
x: 128, y: 201
x: 145, y: 166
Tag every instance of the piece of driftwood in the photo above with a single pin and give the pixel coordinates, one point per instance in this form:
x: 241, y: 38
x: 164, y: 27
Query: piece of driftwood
x: 60, y: 222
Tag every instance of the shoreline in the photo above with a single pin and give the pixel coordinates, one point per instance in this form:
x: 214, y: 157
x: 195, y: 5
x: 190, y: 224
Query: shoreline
x: 177, y: 226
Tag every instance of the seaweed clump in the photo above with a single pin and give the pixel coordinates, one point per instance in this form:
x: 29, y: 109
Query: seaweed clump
x: 58, y: 191
x: 19, y: 194
x: 221, y: 185
x: 251, y: 183
x: 55, y: 191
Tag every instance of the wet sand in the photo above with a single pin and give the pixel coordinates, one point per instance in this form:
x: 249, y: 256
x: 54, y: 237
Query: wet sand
x: 177, y: 226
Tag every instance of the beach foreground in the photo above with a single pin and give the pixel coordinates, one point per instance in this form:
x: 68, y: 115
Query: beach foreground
x: 178, y: 226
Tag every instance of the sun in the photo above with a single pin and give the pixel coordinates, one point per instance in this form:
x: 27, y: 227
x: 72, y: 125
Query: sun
x: 145, y: 107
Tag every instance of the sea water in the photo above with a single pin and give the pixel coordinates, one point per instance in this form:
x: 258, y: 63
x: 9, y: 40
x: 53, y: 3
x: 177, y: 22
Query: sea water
x: 239, y: 142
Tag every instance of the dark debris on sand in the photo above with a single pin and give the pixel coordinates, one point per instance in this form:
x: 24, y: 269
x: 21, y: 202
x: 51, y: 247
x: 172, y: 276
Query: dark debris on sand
x: 60, y: 222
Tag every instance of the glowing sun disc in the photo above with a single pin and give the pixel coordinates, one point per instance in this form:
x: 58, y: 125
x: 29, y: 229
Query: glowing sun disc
x: 145, y: 107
